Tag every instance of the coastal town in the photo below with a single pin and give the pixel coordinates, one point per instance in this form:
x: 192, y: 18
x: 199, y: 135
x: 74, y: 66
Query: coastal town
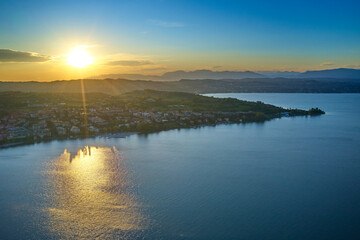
x: 61, y: 122
x: 39, y: 121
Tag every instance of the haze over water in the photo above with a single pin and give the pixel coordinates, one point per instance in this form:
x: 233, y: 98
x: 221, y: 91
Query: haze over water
x: 289, y: 178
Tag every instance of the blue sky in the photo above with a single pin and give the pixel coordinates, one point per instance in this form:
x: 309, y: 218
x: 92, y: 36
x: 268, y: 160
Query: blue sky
x: 237, y: 35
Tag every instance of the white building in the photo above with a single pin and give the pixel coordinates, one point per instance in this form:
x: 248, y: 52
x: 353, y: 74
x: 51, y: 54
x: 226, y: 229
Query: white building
x: 75, y: 130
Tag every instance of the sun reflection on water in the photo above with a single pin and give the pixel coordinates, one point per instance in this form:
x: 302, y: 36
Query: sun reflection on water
x: 91, y: 196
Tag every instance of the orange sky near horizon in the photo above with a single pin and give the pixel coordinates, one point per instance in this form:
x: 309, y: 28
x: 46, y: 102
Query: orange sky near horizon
x: 57, y: 67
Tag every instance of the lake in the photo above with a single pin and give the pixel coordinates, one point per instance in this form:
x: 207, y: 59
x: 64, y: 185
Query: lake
x: 288, y: 178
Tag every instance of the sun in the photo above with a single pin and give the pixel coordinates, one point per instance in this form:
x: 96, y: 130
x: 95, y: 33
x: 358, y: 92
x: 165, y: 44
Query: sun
x: 79, y: 57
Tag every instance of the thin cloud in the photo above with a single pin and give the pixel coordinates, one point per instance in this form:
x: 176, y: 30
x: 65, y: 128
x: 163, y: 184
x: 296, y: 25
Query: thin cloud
x: 351, y: 66
x: 326, y: 64
x: 9, y: 55
x: 132, y: 63
x: 166, y: 23
x: 155, y: 69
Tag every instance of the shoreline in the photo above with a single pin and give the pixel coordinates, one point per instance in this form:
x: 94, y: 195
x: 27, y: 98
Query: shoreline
x: 106, y: 135
x: 127, y: 134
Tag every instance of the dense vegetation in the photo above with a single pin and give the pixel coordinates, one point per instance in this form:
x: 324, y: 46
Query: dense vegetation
x: 142, y: 100
x: 316, y: 111
x: 10, y: 101
x: 163, y: 101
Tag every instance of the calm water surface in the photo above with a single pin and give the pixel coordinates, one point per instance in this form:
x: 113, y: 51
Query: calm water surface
x: 289, y: 178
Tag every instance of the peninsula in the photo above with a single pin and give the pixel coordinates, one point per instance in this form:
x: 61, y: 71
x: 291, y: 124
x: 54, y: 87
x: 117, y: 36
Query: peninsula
x: 34, y: 117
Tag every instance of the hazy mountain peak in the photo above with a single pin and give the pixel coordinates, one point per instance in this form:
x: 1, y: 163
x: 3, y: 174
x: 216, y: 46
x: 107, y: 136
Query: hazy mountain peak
x: 181, y: 74
x: 333, y: 73
x: 209, y: 74
x: 339, y: 73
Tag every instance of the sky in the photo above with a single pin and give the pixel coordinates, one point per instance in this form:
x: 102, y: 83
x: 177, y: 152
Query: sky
x: 157, y: 36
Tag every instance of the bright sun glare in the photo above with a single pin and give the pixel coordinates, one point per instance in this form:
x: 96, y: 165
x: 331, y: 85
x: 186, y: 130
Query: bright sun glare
x: 79, y: 57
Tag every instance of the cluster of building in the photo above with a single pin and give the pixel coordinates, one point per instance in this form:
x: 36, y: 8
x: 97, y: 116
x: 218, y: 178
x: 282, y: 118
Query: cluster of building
x: 49, y: 122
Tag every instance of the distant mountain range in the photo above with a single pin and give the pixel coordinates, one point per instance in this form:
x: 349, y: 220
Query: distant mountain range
x: 206, y: 81
x: 208, y: 74
x: 178, y: 75
x: 118, y: 86
x: 340, y: 73
x: 276, y: 74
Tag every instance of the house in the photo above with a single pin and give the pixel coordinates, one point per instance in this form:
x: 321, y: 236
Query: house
x: 40, y: 125
x: 74, y: 121
x: 43, y: 133
x: 93, y: 129
x: 61, y: 131
x: 18, y: 133
x: 75, y: 130
x: 97, y: 120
